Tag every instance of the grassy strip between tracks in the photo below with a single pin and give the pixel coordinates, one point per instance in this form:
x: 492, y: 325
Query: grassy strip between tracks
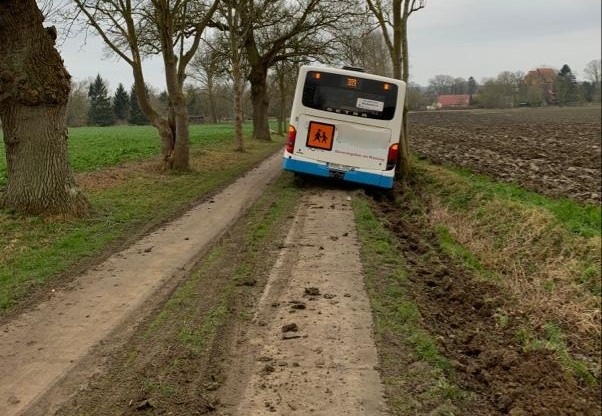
x: 543, y: 252
x: 175, y: 362
x: 36, y: 251
x: 412, y: 368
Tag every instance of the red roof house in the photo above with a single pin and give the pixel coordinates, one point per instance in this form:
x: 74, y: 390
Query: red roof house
x: 453, y: 101
x: 544, y: 80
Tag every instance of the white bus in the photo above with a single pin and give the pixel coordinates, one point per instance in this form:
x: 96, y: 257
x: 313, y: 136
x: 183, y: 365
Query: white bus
x: 345, y: 124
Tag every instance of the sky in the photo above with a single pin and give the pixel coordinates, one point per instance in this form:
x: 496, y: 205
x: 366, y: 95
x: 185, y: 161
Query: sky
x: 461, y: 38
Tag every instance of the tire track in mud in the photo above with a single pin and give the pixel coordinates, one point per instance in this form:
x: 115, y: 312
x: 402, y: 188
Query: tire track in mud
x: 460, y: 311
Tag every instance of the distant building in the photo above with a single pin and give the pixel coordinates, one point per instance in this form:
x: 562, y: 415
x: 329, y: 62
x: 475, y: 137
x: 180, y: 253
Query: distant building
x: 453, y: 101
x: 196, y: 119
x: 542, y: 81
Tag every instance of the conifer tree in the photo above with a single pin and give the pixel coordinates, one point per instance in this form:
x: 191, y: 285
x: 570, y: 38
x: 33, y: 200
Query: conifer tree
x: 136, y: 115
x: 100, y: 112
x: 121, y: 103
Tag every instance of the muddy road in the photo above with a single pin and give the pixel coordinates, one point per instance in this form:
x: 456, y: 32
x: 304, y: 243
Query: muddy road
x: 279, y: 318
x: 310, y: 348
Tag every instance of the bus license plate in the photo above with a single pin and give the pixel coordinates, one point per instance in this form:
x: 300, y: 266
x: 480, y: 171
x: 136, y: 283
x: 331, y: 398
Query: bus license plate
x: 336, y: 166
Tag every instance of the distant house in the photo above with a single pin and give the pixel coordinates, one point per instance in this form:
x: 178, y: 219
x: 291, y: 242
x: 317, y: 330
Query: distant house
x: 453, y: 101
x: 543, y: 81
x: 196, y: 119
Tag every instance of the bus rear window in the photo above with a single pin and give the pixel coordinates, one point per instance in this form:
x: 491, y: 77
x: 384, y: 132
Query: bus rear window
x: 350, y: 95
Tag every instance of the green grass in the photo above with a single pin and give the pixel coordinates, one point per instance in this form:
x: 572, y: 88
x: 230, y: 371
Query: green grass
x: 580, y: 219
x: 36, y: 251
x: 92, y: 148
x: 552, y: 339
x: 500, y: 231
x: 462, y: 255
x: 507, y: 215
x: 261, y: 227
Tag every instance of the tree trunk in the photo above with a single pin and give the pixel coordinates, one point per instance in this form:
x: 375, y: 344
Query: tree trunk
x: 404, y: 143
x: 34, y: 90
x: 239, y: 143
x: 181, y: 153
x: 398, y: 36
x: 164, y: 127
x: 211, y: 99
x: 282, y: 105
x: 261, y: 102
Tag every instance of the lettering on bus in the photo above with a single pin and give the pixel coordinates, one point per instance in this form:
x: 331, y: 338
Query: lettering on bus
x: 342, y: 152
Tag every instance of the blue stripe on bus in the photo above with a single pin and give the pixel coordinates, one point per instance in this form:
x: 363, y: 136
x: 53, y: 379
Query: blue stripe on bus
x: 318, y: 169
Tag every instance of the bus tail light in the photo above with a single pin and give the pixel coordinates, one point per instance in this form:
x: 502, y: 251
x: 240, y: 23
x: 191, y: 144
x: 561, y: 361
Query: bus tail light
x: 290, y: 142
x: 392, y: 158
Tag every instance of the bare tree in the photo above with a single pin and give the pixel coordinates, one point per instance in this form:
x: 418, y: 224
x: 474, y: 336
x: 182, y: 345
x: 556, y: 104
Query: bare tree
x: 232, y: 13
x: 363, y: 46
x: 78, y: 105
x: 441, y: 84
x: 171, y: 28
x: 279, y: 31
x: 593, y: 73
x: 208, y: 68
x: 284, y: 79
x: 393, y: 15
x: 34, y: 90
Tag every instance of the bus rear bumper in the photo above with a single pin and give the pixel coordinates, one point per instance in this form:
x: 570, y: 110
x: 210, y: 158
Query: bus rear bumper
x: 380, y: 180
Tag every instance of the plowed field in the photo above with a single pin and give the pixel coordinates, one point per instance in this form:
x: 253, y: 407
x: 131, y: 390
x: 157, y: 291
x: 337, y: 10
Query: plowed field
x: 555, y: 151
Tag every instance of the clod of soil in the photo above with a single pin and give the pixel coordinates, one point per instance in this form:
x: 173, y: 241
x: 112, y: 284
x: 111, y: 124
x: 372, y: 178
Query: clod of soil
x: 292, y: 327
x: 312, y: 291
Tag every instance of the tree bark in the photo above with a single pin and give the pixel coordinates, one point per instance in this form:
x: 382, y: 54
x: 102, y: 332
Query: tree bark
x: 239, y: 142
x: 403, y: 157
x: 398, y: 36
x: 34, y: 90
x: 211, y: 99
x: 282, y: 104
x: 261, y: 103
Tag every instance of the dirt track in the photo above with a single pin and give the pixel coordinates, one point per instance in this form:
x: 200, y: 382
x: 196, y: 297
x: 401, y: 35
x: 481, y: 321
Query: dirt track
x: 310, y: 348
x: 41, y: 346
x: 327, y: 365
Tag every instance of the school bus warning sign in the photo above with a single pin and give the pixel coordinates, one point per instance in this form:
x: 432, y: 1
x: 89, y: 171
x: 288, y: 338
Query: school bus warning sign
x: 320, y: 136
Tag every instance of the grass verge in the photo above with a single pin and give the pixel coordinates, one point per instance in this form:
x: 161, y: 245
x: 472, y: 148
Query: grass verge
x: 36, y: 251
x: 413, y: 370
x: 544, y: 253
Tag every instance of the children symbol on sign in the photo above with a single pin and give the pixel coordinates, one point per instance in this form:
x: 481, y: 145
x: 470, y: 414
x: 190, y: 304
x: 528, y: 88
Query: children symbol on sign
x: 320, y: 136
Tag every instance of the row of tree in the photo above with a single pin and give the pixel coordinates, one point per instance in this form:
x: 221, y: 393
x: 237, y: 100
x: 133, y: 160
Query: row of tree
x: 513, y: 89
x: 90, y: 105
x: 250, y: 39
